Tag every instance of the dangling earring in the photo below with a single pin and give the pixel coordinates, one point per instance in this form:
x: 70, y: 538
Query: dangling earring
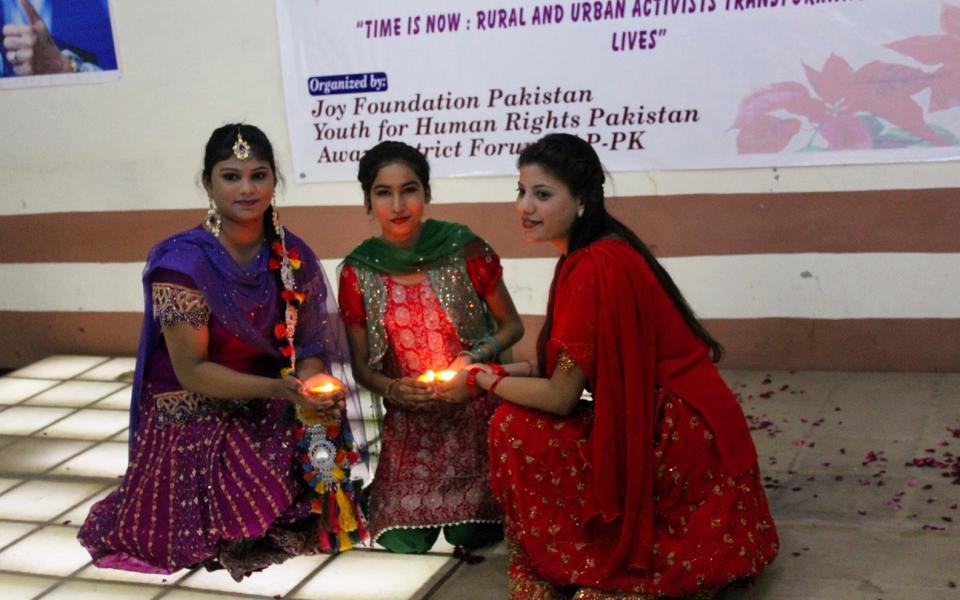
x: 579, y: 211
x: 276, y: 216
x: 213, y: 221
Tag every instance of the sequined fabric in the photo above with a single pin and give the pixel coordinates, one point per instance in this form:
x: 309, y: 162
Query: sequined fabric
x: 204, y: 474
x: 176, y: 408
x: 452, y: 287
x: 711, y: 528
x: 174, y: 304
x: 433, y: 469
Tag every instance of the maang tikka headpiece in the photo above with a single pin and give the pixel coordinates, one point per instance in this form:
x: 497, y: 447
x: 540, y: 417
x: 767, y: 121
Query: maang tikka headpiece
x: 241, y: 149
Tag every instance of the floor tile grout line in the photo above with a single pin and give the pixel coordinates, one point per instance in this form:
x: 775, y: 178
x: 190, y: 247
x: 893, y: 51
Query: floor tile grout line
x: 87, y: 370
x: 106, y: 438
x: 107, y: 359
x: 295, y: 589
x: 63, y: 580
x: 95, y: 444
x: 54, y: 520
x: 75, y: 408
x: 30, y: 532
x: 428, y: 594
x: 23, y: 401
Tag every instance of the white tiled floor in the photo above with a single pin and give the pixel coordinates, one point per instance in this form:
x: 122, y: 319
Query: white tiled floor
x: 843, y: 534
x: 75, y: 393
x: 63, y: 430
x: 41, y: 501
x: 14, y: 390
x: 89, y: 424
x: 60, y: 367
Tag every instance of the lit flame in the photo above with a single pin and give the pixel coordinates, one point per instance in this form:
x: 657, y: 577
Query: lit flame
x: 323, y: 389
x: 434, y: 376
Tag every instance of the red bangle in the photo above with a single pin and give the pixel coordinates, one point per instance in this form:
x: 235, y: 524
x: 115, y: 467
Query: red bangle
x: 472, y: 379
x: 497, y: 369
x: 496, y: 382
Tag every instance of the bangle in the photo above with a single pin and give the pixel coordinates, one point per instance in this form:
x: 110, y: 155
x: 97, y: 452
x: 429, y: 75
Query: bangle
x: 478, y: 353
x: 387, y: 390
x: 496, y: 382
x: 494, y: 344
x: 493, y: 349
x: 497, y: 369
x: 529, y: 364
x: 472, y: 379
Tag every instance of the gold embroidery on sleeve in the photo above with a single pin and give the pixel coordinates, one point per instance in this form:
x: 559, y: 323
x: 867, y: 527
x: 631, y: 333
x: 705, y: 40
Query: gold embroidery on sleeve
x: 564, y: 363
x: 174, y: 304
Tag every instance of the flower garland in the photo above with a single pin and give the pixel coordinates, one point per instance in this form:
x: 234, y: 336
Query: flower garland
x: 327, y: 448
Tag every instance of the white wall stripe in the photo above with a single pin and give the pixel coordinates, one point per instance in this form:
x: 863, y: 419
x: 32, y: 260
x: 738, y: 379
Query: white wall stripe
x: 815, y: 286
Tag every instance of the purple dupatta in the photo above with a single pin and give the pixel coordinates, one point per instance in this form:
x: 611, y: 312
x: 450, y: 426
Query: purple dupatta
x: 233, y: 292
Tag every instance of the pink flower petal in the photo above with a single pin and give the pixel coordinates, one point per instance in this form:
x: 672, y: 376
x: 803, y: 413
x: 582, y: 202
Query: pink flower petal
x: 767, y: 135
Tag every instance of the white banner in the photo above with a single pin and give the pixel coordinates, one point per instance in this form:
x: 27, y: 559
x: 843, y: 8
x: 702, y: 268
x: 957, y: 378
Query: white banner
x: 653, y: 84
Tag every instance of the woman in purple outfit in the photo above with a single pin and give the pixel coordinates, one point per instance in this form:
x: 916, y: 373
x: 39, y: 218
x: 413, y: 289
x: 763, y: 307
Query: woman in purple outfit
x: 215, y: 475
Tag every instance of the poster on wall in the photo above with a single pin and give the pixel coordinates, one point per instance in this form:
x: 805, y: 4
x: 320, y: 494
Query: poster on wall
x: 653, y: 84
x: 57, y: 42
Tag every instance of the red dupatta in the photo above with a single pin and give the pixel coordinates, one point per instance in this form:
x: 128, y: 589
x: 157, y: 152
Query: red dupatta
x: 599, y: 310
x: 606, y: 318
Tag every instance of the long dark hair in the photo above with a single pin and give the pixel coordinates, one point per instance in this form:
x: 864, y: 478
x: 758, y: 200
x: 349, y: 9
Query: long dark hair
x: 574, y: 162
x: 386, y: 153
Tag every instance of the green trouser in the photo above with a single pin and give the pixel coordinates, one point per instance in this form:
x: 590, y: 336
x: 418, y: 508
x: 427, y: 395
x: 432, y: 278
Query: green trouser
x: 420, y: 539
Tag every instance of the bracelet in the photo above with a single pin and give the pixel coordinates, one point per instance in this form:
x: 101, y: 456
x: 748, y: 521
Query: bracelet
x: 494, y: 348
x: 389, y: 388
x: 497, y: 369
x: 496, y: 382
x: 478, y: 353
x: 494, y: 344
x: 529, y: 364
x: 472, y: 379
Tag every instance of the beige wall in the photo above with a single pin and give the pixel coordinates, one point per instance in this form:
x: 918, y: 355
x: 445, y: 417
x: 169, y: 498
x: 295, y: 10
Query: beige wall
x: 93, y: 174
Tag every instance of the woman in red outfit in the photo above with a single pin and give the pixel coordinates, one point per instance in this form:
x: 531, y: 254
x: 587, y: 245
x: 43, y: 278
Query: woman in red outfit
x: 424, y: 295
x: 652, y: 489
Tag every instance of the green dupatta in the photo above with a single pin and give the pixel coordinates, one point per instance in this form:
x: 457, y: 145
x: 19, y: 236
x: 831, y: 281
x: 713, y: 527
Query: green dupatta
x: 438, y: 239
x: 439, y: 252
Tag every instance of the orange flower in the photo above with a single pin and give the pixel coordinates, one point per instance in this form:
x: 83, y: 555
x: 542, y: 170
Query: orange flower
x: 277, y: 248
x: 294, y: 255
x: 279, y: 331
x: 273, y: 264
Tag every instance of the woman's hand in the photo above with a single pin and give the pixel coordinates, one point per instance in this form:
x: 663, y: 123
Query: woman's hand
x: 288, y: 388
x: 30, y: 48
x: 325, y: 393
x: 456, y: 391
x: 412, y: 394
x: 460, y: 362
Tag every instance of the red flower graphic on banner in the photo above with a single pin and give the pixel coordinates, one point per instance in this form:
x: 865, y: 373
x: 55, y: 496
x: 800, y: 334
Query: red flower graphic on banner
x: 869, y: 107
x: 938, y: 50
x: 845, y: 112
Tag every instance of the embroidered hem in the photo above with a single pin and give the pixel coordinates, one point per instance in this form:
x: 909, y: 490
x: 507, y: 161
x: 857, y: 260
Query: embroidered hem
x: 375, y: 537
